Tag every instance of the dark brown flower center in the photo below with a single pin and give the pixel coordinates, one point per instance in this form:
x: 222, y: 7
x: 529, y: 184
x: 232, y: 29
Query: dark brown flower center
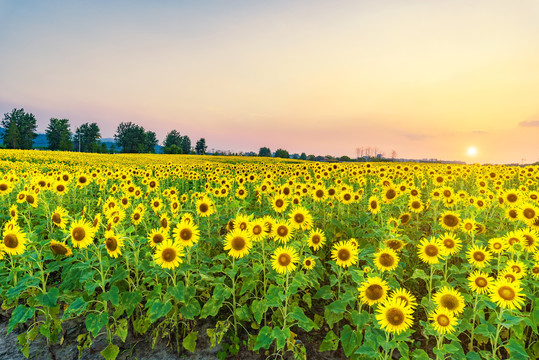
x: 374, y: 292
x: 257, y: 229
x: 431, y: 250
x: 344, y: 254
x: 529, y: 213
x: 386, y: 260
x: 507, y: 293
x: 512, y: 197
x: 186, y: 234
x: 279, y: 203
x: 299, y: 218
x: 450, y: 220
x: 111, y: 243
x: 168, y: 255
x: 282, y: 231
x: 238, y: 243
x: 157, y: 238
x: 451, y: 302
x: 58, y: 249
x: 3, y: 187
x: 395, y: 316
x: 449, y: 243
x: 481, y: 282
x: 79, y: 233
x: 316, y: 239
x: 390, y: 194
x: 479, y: 256
x: 443, y: 320
x: 284, y: 259
x: 203, y: 208
x: 30, y: 199
x: 56, y: 218
x: 11, y: 241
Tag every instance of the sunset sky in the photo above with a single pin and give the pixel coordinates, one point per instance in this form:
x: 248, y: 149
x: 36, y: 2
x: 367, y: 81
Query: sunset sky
x: 428, y: 79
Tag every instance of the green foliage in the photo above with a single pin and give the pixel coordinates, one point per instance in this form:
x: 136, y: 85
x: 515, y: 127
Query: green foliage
x: 59, y: 135
x: 19, y: 129
x: 264, y: 151
x: 132, y: 138
x: 86, y: 137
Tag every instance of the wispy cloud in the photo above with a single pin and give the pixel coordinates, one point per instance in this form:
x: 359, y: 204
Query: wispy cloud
x: 479, y: 132
x: 531, y: 123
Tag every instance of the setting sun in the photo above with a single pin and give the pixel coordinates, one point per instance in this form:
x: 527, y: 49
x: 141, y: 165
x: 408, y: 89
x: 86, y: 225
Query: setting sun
x: 472, y: 151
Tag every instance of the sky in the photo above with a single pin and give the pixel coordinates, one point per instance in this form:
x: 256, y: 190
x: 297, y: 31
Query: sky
x: 427, y: 79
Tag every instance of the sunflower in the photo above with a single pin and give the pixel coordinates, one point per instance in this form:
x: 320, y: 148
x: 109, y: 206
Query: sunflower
x: 507, y: 294
x: 21, y: 197
x: 113, y: 244
x: 511, y: 196
x: 405, y: 218
x: 156, y: 204
x: 511, y: 214
x: 60, y: 248
x: 393, y: 316
x: 518, y: 267
x: 415, y: 205
x: 284, y: 259
x: 283, y: 231
x: 205, y: 207
x: 13, y: 212
x: 450, y: 220
x: 270, y: 226
x: 187, y: 218
x: 468, y: 226
x: 451, y: 243
x: 5, y: 187
x: 116, y: 217
x: 82, y: 233
x: 168, y: 254
x: 31, y: 200
x: 344, y: 254
x: 319, y: 193
x: 509, y: 275
x: 279, y: 204
x: 497, y: 245
x: 531, y: 239
x: 59, y: 217
x: 406, y: 296
x: 96, y: 222
x: 450, y: 299
x: 257, y: 230
x: 374, y: 205
x: 308, y: 263
x: 389, y: 194
x: 443, y: 320
x: 430, y: 250
x: 241, y: 193
x: 395, y: 244
x: 186, y: 234
x: 478, y: 256
x: 137, y: 216
x: 301, y: 218
x: 479, y: 282
x: 157, y: 236
x: 238, y: 242
x: 164, y: 221
x: 373, y: 291
x: 317, y: 239
x: 386, y: 260
x: 535, y: 271
x: 241, y: 222
x: 14, y: 240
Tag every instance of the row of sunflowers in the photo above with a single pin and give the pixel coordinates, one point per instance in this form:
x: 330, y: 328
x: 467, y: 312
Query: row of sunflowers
x: 283, y: 259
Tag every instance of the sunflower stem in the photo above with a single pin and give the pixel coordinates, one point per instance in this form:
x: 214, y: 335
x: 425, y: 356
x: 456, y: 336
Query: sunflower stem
x: 498, y: 330
x: 473, y: 322
x: 234, y: 298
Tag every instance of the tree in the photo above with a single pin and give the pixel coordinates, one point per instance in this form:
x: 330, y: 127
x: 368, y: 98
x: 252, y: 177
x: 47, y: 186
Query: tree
x: 281, y: 153
x: 132, y: 138
x: 151, y: 141
x: 303, y: 156
x: 173, y: 149
x: 20, y: 129
x: 186, y: 144
x: 174, y: 138
x: 264, y: 151
x: 201, y: 147
x: 59, y: 135
x: 86, y: 136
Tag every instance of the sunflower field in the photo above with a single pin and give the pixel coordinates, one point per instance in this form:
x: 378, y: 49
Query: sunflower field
x: 280, y: 259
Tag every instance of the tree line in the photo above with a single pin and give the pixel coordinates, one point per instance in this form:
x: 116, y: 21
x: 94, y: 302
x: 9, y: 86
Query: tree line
x: 20, y: 130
